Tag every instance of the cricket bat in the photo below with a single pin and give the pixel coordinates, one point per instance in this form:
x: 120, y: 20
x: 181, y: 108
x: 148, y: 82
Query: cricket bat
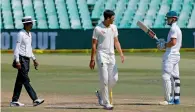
x: 147, y: 30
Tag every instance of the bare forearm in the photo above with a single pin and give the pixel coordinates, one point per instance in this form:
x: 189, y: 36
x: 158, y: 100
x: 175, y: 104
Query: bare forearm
x: 118, y: 48
x: 169, y: 44
x: 93, y: 51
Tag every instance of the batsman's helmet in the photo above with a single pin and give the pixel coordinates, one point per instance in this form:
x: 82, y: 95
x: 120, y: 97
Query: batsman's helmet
x: 172, y: 14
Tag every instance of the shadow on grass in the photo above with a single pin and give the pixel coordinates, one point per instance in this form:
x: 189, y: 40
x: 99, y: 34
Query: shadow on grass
x: 68, y: 107
x: 73, y: 105
x: 87, y: 105
x: 72, y: 108
x: 134, y: 103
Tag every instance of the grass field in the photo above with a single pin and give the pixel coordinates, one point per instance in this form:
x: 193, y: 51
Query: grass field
x: 68, y: 85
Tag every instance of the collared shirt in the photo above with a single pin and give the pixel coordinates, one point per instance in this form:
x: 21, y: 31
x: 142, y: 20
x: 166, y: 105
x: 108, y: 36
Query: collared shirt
x: 105, y: 37
x: 23, y: 45
x: 174, y: 32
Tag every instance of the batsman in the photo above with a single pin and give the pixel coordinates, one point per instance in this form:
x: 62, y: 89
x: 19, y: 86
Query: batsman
x: 105, y: 37
x: 170, y: 63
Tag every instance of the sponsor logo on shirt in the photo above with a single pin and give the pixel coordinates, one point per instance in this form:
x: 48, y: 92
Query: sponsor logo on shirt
x: 103, y: 32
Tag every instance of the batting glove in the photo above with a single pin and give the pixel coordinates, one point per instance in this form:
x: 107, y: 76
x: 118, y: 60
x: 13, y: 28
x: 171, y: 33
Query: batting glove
x: 161, y: 44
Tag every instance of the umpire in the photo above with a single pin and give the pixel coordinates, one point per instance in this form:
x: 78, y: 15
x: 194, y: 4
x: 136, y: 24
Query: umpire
x: 22, y: 54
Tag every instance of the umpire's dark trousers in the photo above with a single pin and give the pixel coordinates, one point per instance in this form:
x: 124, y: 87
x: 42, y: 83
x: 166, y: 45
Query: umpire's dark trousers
x: 23, y: 79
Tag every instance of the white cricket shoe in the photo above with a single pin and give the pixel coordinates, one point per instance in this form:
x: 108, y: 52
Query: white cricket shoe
x: 166, y: 103
x: 16, y: 104
x: 100, y: 101
x: 108, y: 107
x: 38, y: 102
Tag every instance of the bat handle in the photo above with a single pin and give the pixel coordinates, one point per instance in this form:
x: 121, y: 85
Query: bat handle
x: 156, y: 38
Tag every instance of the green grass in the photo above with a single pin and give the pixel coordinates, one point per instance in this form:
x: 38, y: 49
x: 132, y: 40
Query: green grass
x: 140, y: 75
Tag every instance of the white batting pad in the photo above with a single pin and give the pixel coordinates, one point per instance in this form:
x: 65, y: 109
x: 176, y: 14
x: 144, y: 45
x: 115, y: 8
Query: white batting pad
x: 167, y: 89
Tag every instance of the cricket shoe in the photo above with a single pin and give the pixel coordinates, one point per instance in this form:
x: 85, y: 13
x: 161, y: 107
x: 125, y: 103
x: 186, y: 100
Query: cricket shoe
x: 171, y: 102
x: 108, y: 107
x: 100, y: 101
x: 16, y: 104
x: 176, y: 101
x: 38, y: 102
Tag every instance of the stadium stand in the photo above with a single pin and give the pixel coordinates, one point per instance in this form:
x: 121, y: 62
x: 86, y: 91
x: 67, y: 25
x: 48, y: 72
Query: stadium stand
x: 129, y: 14
x: 73, y: 14
x: 191, y: 23
x: 1, y: 24
x: 78, y: 14
x: 18, y: 13
x: 91, y: 2
x: 51, y: 14
x: 62, y: 14
x: 28, y: 10
x: 84, y: 14
x: 98, y: 9
x: 7, y: 15
x: 40, y: 14
x: 185, y: 13
x: 140, y: 13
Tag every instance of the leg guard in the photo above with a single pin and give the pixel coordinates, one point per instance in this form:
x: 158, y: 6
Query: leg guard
x: 167, y: 86
x: 177, y: 88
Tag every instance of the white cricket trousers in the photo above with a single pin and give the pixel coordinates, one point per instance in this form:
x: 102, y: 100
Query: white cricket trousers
x: 171, y: 79
x: 108, y: 74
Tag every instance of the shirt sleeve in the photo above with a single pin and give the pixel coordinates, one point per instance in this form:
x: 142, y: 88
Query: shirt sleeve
x: 33, y: 56
x: 18, y: 43
x: 95, y: 34
x: 173, y: 33
x: 115, y: 32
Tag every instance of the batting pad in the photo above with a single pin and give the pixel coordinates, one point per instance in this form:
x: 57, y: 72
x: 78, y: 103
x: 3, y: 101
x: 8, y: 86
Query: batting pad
x: 167, y: 89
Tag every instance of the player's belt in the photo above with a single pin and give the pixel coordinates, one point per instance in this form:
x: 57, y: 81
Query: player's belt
x: 25, y: 57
